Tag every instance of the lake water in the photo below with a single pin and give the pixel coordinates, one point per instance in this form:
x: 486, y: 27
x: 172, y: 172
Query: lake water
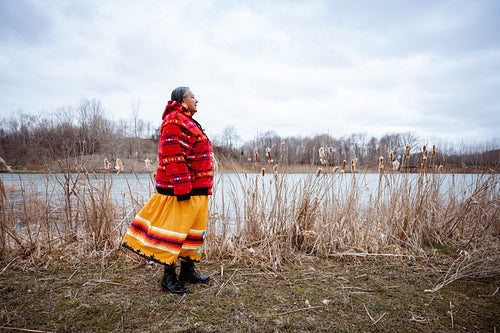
x: 230, y: 189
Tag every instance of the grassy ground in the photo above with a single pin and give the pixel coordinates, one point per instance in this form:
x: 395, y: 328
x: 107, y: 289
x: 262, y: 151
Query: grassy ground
x: 121, y: 292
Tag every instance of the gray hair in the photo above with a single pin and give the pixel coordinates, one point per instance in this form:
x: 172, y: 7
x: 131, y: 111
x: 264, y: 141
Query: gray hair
x: 179, y: 93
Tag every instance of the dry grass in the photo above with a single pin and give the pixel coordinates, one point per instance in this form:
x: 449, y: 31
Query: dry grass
x: 121, y: 293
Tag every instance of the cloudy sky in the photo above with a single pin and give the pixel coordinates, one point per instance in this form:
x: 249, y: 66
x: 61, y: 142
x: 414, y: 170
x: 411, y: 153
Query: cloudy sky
x: 296, y: 67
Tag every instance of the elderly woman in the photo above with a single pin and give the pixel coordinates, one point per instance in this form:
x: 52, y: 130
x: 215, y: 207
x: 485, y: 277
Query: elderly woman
x: 172, y: 224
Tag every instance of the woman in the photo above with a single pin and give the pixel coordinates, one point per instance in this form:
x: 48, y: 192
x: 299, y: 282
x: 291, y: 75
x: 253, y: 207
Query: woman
x: 172, y: 224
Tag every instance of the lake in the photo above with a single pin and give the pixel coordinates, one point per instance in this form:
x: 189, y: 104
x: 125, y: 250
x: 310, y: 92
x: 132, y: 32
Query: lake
x: 231, y: 189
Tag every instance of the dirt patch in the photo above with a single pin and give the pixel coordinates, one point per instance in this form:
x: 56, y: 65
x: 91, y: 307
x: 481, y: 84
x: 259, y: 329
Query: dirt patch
x: 120, y: 292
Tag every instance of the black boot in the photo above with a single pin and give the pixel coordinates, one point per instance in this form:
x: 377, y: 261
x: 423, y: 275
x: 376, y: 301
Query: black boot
x: 170, y: 282
x: 189, y: 275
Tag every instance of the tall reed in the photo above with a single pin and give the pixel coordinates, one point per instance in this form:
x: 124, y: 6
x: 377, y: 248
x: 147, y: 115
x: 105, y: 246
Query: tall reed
x: 268, y: 216
x: 328, y: 212
x: 73, y: 212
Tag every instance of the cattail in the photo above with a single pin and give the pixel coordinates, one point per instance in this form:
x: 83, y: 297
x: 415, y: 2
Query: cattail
x: 381, y: 164
x: 408, y: 148
x: 119, y: 165
x: 424, y: 162
x: 275, y: 171
x: 322, y: 152
x: 425, y: 151
x: 263, y: 172
x: 391, y: 156
x: 322, y: 156
x: 343, y: 165
x: 148, y: 162
x: 268, y: 153
x: 330, y: 150
x: 107, y: 165
x: 318, y: 172
x: 256, y: 159
x: 440, y: 169
x: 395, y: 165
x: 353, y: 164
x: 433, y: 150
x: 282, y: 145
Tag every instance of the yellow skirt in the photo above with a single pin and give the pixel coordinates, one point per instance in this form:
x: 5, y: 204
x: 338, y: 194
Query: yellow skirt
x: 166, y: 229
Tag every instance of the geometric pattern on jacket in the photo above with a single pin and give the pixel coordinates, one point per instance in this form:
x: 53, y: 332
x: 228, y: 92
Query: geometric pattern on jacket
x: 185, y: 153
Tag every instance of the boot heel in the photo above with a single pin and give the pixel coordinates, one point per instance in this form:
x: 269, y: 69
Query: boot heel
x: 170, y: 283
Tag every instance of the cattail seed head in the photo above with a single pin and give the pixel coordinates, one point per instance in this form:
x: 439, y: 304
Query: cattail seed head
x: 433, y: 150
x: 322, y: 156
x: 119, y: 165
x: 391, y: 155
x: 322, y: 153
x: 408, y: 148
x: 381, y: 164
x: 318, y: 172
x: 353, y: 164
x: 395, y: 165
x: 263, y: 172
x: 425, y: 151
x: 107, y: 165
x: 268, y: 153
x: 330, y: 150
x: 343, y: 165
x: 282, y: 145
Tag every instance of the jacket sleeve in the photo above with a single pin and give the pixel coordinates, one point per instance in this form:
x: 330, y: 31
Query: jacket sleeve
x: 174, y: 146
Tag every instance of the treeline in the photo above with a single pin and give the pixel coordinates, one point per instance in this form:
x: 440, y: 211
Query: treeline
x: 366, y: 151
x: 36, y: 140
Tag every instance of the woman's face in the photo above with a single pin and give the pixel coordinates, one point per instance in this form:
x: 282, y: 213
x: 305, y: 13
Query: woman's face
x: 190, y: 102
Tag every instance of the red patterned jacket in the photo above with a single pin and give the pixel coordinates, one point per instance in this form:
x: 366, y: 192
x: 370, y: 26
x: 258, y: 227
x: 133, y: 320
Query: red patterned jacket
x: 185, y: 154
